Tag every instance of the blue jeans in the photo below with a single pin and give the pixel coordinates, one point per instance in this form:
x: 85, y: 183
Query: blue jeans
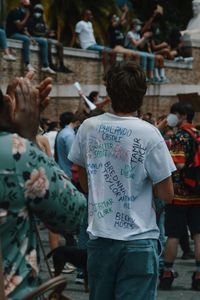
x: 147, y: 60
x: 122, y: 269
x: 26, y: 48
x: 3, y: 39
x: 99, y: 48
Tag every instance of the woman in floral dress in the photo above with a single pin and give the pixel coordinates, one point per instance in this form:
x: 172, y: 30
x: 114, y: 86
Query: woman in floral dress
x: 31, y: 185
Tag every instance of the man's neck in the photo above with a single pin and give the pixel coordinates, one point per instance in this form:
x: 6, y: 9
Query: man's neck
x: 121, y: 114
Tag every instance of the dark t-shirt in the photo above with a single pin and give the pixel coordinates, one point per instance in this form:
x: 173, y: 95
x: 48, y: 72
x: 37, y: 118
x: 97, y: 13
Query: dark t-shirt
x: 116, y: 36
x: 14, y: 15
x: 37, y: 27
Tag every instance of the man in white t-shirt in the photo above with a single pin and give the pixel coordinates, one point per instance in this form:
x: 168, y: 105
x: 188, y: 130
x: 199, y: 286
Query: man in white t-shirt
x: 85, y: 32
x: 123, y: 161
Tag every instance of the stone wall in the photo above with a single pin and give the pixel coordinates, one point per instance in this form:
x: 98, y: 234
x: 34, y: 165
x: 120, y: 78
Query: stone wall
x: 88, y: 70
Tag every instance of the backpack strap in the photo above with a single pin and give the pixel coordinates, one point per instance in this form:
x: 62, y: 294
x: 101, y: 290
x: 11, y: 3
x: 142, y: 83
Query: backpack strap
x: 191, y: 132
x: 196, y: 139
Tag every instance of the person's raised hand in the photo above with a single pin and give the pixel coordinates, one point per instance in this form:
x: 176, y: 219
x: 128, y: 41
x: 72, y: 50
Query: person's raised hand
x: 24, y: 104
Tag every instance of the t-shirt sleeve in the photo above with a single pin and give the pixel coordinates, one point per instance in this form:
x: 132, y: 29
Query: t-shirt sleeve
x: 78, y: 27
x: 76, y: 152
x: 159, y: 164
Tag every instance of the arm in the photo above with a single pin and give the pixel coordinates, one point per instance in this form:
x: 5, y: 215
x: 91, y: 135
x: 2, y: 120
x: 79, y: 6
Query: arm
x: 74, y: 39
x: 143, y: 39
x: 124, y: 14
x: 148, y: 23
x: 164, y: 190
x: 49, y: 193
x: 21, y: 24
x: 43, y: 144
x: 159, y: 46
x: 83, y: 178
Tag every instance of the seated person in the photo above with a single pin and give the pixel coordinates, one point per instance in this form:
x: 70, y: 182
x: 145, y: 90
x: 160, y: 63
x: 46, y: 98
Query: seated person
x: 4, y: 46
x: 37, y: 27
x: 31, y: 186
x: 16, y: 28
x: 152, y: 64
x: 85, y: 33
x: 134, y: 40
x: 116, y: 34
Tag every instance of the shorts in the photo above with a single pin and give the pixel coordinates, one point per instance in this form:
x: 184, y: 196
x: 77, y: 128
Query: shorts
x: 178, y: 217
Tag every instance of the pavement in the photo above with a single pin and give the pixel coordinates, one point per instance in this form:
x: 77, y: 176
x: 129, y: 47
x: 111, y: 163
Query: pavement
x: 181, y: 288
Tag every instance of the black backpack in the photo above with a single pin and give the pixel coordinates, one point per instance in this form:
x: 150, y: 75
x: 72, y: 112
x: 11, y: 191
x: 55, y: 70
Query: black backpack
x: 191, y: 172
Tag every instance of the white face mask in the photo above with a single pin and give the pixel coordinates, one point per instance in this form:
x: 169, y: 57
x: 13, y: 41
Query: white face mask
x: 138, y: 28
x: 37, y: 15
x: 172, y: 120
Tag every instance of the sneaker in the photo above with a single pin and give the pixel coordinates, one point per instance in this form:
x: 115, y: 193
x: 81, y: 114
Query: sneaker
x: 188, y: 59
x: 64, y: 69
x: 196, y: 281
x: 68, y: 268
x: 48, y: 70
x: 9, y: 57
x: 79, y: 278
x: 164, y: 79
x: 30, y: 68
x: 156, y: 80
x: 179, y: 58
x: 166, y: 279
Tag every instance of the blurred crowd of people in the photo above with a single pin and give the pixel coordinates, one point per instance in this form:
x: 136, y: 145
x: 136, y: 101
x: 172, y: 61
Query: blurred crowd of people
x: 142, y: 42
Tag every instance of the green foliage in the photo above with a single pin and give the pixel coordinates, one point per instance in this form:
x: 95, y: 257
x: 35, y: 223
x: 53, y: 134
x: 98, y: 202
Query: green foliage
x: 64, y: 14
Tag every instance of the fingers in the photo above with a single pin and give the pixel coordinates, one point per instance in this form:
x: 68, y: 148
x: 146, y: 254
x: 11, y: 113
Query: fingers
x: 44, y: 103
x: 30, y: 75
x: 10, y: 106
x: 12, y: 86
x: 44, y: 83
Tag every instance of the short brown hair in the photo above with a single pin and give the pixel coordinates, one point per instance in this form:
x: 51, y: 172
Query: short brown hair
x: 126, y: 86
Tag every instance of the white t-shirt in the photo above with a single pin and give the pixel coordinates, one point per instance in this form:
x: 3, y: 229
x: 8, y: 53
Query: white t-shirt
x: 86, y: 34
x: 129, y: 37
x: 51, y: 135
x: 123, y: 156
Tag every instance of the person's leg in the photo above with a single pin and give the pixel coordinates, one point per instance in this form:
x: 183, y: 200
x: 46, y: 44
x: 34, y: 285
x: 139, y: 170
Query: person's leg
x: 102, y: 264
x: 3, y: 41
x: 26, y: 46
x: 50, y: 54
x: 175, y: 220
x: 150, y: 64
x: 137, y: 271
x: 143, y: 60
x: 185, y: 245
x: 43, y: 50
x: 162, y: 238
x: 4, y: 46
x: 194, y: 226
x: 83, y: 238
x: 53, y: 240
x: 99, y: 48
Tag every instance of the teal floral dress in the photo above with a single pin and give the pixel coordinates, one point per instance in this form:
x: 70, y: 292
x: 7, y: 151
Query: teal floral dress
x: 31, y: 185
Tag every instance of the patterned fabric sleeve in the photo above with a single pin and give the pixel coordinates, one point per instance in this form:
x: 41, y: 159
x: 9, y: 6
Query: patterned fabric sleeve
x: 48, y: 192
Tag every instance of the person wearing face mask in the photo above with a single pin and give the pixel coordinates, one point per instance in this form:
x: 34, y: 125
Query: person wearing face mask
x: 16, y: 28
x: 185, y: 208
x: 38, y: 28
x: 134, y: 40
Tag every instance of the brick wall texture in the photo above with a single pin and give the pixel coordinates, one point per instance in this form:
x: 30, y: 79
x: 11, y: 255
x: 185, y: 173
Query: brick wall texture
x: 89, y: 71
